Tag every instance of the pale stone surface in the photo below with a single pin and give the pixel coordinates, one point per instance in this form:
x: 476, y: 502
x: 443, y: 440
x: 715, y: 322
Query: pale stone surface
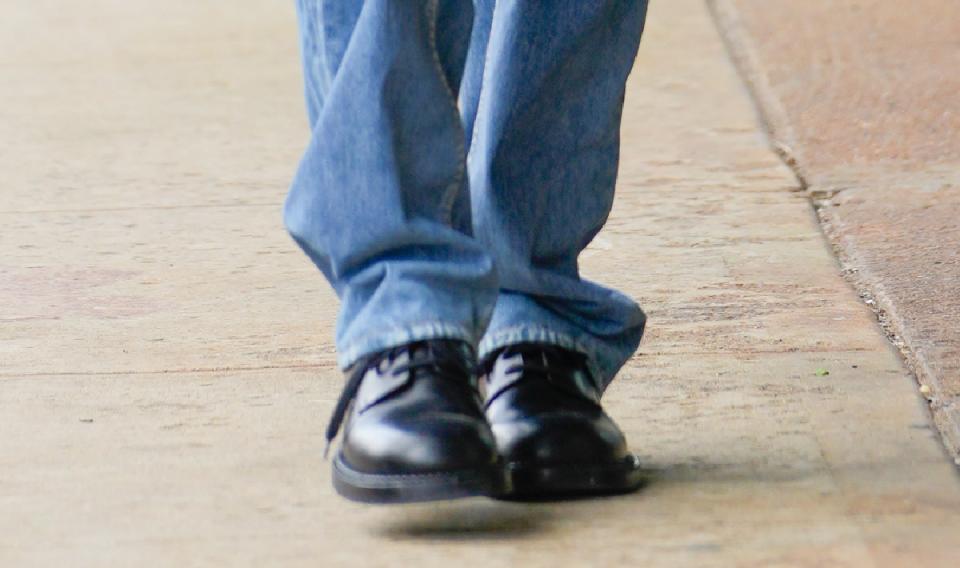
x: 166, y: 360
x: 862, y: 99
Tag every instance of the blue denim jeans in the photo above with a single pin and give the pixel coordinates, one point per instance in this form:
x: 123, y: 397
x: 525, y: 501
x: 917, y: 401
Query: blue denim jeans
x: 464, y: 152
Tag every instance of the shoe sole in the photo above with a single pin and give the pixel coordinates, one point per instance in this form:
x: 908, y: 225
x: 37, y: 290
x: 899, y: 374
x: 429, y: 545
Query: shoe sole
x: 418, y: 487
x: 569, y: 481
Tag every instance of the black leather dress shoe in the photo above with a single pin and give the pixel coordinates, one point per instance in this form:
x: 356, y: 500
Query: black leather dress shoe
x: 556, y: 439
x: 416, y: 429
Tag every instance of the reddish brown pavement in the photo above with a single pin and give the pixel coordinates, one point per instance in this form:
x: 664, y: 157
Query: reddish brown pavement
x: 863, y: 99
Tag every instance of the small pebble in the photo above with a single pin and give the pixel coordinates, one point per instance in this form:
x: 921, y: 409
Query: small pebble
x: 924, y: 390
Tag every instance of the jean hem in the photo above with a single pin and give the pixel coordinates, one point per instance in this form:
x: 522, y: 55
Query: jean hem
x: 357, y: 349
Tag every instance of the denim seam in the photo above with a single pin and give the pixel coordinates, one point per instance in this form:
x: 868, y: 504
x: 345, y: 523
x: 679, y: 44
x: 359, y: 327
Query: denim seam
x: 401, y: 335
x: 483, y: 96
x: 311, y: 49
x: 538, y: 334
x: 320, y: 28
x: 451, y: 191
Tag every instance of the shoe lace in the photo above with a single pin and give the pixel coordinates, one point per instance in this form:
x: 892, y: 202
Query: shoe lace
x: 440, y: 358
x: 545, y: 362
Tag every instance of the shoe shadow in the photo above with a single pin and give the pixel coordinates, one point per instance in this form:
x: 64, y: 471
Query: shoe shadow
x: 487, y: 519
x: 463, y: 520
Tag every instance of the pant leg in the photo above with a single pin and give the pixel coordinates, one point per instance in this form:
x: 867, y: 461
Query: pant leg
x: 374, y: 200
x: 542, y: 168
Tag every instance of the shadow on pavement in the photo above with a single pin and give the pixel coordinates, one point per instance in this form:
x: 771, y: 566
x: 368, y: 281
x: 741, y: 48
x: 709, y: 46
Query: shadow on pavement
x: 463, y: 520
x: 471, y: 520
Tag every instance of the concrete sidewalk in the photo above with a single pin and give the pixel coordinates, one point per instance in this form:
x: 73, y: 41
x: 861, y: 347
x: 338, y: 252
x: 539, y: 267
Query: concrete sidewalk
x: 165, y: 357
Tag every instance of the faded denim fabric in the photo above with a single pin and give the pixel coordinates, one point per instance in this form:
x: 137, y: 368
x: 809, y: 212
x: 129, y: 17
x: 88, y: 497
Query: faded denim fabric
x: 463, y: 155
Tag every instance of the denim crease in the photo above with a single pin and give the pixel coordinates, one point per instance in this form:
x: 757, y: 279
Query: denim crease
x: 463, y: 153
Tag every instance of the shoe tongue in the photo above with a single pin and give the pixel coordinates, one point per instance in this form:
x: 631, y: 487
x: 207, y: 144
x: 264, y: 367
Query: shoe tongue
x: 437, y: 348
x: 416, y: 352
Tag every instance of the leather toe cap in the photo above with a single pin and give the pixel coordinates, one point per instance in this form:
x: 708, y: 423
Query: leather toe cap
x: 560, y: 438
x: 429, y: 444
